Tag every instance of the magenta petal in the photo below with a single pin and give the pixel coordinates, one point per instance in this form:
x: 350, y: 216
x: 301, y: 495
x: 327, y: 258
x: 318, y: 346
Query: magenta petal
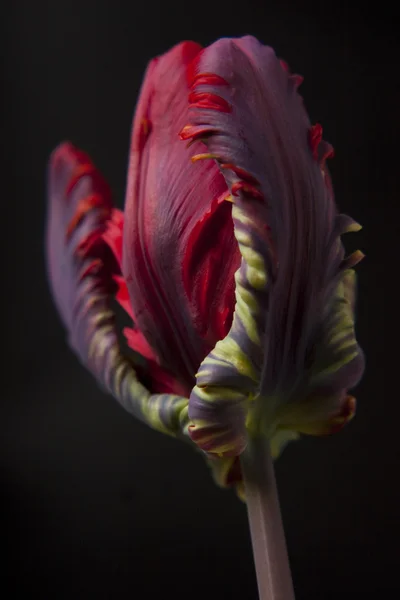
x: 179, y: 251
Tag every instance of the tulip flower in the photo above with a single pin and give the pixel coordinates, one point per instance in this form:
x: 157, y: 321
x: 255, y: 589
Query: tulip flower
x: 227, y: 259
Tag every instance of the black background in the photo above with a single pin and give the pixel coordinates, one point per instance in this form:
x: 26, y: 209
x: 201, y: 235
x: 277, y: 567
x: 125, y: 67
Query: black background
x: 95, y: 505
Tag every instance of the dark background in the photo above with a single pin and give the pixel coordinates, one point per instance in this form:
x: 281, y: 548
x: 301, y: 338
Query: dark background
x: 96, y: 506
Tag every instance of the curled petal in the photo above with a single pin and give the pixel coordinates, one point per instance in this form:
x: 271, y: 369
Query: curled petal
x: 313, y: 419
x: 293, y: 329
x: 82, y: 268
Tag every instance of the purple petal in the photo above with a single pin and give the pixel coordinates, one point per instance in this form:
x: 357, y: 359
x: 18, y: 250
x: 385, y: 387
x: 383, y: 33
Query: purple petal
x: 81, y: 268
x: 292, y: 322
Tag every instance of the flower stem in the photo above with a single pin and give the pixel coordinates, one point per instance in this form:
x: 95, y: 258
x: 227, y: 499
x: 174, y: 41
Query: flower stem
x: 267, y: 534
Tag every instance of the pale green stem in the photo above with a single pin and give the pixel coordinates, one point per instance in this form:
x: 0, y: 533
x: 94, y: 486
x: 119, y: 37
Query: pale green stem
x: 267, y: 534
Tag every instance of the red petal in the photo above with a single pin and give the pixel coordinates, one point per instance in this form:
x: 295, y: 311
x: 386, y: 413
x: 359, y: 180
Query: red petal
x: 138, y: 343
x: 190, y: 132
x: 246, y: 188
x: 207, y: 79
x: 163, y: 382
x: 315, y: 137
x: 171, y: 207
x: 113, y: 234
x: 122, y: 295
x: 207, y: 100
x: 241, y: 173
x: 211, y: 291
x: 86, y: 204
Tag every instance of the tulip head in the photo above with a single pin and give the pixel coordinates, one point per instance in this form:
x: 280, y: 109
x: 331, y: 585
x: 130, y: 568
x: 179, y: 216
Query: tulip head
x: 227, y: 259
